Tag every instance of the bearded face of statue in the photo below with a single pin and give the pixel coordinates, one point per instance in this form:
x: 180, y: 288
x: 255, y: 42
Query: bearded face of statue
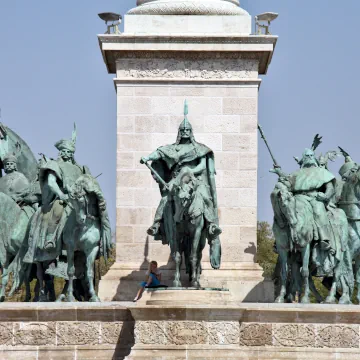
x: 66, y: 155
x: 10, y: 167
x: 308, y: 159
x: 185, y: 133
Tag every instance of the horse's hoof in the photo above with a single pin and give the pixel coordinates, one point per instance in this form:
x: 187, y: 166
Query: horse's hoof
x: 43, y: 297
x: 177, y: 283
x: 330, y: 300
x: 280, y: 300
x: 94, y: 298
x: 2, y: 298
x: 345, y: 300
x: 60, y: 298
x: 195, y: 284
x: 70, y: 298
x: 305, y: 300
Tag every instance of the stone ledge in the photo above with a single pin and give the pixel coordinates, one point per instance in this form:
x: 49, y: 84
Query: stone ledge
x: 114, y: 47
x: 113, y: 331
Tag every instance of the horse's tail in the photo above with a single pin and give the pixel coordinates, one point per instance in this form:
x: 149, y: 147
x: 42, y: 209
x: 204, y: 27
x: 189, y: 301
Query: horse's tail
x: 105, y: 241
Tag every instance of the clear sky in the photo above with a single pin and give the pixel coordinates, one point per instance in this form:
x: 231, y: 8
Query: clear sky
x: 52, y: 74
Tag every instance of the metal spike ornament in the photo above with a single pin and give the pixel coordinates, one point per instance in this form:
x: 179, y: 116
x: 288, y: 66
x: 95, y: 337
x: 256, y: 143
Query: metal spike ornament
x: 186, y: 112
x: 317, y: 141
x: 74, y: 135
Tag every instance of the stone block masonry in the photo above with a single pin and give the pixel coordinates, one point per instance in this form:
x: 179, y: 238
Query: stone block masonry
x: 219, y: 78
x: 134, y: 332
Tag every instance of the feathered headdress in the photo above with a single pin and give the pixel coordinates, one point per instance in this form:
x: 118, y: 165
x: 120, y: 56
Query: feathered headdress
x: 68, y: 144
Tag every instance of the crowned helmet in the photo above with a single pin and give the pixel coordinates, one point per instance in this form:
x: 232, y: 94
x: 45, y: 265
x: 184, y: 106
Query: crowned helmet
x: 67, y: 144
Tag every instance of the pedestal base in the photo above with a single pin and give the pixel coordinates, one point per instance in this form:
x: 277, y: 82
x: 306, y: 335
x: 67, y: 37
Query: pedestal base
x: 187, y: 296
x: 244, y: 281
x: 207, y: 332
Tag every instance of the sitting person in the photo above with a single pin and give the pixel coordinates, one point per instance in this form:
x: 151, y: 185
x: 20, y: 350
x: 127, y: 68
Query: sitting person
x: 153, y: 279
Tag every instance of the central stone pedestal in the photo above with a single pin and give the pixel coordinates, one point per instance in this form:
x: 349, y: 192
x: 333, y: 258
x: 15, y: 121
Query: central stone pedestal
x: 201, y: 51
x: 187, y: 296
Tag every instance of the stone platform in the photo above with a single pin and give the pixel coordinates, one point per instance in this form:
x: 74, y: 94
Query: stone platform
x: 136, y: 331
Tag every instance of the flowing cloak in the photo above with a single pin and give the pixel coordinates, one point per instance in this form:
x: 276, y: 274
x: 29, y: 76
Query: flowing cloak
x: 332, y: 222
x: 50, y: 218
x: 173, y: 158
x: 308, y: 179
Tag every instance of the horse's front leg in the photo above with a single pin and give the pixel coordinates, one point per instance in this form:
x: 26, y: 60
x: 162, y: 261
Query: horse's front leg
x: 194, y: 255
x: 305, y: 256
x: 40, y: 275
x: 90, y: 260
x: 331, y: 298
x: 201, y: 248
x: 4, y: 280
x: 357, y: 276
x: 70, y: 269
x: 283, y: 255
x: 28, y: 291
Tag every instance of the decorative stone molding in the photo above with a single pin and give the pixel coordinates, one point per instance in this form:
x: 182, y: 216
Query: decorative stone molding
x: 294, y: 335
x: 6, y: 333
x: 224, y: 333
x: 188, y: 7
x: 35, y: 334
x: 256, y: 335
x: 336, y: 336
x: 217, y: 68
x: 78, y: 333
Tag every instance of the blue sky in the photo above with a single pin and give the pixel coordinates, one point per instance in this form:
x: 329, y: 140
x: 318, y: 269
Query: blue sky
x: 52, y: 74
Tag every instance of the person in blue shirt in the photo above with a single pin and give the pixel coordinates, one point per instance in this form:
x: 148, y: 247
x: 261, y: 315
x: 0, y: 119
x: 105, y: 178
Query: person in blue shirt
x: 153, y: 279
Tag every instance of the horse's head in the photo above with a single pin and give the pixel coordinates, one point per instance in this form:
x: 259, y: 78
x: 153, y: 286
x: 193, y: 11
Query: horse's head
x: 78, y: 196
x: 287, y: 204
x: 183, y: 188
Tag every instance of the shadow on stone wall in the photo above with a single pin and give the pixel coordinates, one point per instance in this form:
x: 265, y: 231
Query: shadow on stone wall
x: 126, y: 339
x: 129, y: 285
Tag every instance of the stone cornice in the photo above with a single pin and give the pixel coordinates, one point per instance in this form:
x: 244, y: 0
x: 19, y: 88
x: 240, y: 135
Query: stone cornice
x: 114, y: 47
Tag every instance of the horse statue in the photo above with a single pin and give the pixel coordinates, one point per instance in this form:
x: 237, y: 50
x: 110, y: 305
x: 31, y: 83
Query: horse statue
x: 349, y: 201
x: 187, y: 226
x: 15, y: 216
x: 86, y: 231
x: 294, y: 229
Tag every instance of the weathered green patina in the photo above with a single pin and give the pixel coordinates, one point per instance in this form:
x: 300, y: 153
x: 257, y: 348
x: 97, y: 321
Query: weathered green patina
x: 187, y: 214
x: 19, y: 195
x: 349, y: 201
x: 308, y: 222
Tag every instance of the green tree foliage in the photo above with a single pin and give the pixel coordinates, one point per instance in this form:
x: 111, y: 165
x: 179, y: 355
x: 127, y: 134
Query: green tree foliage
x: 266, y: 256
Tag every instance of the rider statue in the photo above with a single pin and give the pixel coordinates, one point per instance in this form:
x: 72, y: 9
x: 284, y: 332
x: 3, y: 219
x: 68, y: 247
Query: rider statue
x: 16, y: 185
x: 349, y: 202
x: 319, y: 185
x: 56, y: 177
x: 171, y: 162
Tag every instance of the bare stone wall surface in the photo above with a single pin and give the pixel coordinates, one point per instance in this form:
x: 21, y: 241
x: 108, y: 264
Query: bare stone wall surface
x: 225, y: 119
x: 219, y: 76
